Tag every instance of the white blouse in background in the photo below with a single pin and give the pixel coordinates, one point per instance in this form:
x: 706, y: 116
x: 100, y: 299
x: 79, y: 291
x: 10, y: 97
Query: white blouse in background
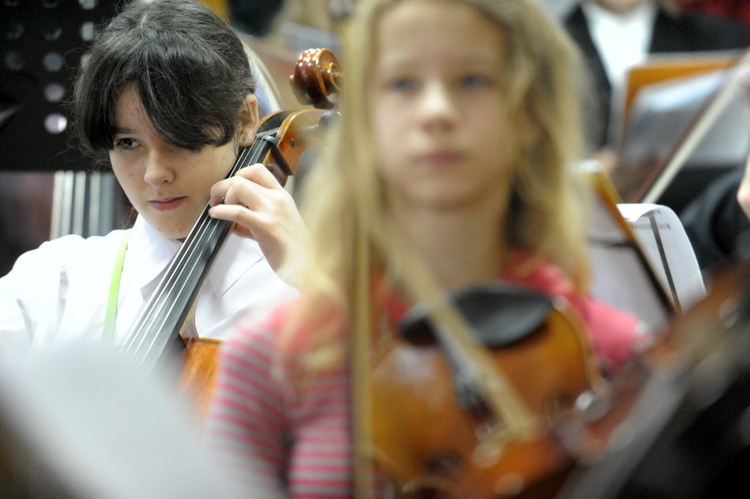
x: 60, y: 290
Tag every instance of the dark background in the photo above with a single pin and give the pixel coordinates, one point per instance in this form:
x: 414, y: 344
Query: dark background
x: 40, y: 49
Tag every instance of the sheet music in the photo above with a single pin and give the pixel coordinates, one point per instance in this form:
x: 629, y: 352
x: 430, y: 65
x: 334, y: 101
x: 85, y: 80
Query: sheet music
x: 660, y: 116
x: 619, y: 275
x: 665, y: 242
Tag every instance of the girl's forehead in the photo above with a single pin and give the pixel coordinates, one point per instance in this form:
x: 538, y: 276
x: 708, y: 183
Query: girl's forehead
x: 438, y: 31
x: 130, y: 110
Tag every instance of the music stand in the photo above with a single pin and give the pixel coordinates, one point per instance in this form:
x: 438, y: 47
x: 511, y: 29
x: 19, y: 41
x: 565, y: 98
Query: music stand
x: 44, y: 177
x: 664, y: 99
x: 40, y: 51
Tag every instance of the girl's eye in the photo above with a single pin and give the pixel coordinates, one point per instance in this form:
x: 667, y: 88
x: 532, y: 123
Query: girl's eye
x: 474, y: 81
x: 125, y: 143
x: 402, y: 84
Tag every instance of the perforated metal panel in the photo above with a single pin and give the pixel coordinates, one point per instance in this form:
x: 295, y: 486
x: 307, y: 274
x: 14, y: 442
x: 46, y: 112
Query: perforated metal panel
x: 40, y: 49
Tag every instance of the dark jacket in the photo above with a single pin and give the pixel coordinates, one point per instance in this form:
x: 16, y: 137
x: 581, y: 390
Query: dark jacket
x: 688, y: 31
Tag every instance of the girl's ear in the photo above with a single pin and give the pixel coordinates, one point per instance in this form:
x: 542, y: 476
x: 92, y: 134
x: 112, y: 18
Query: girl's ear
x: 249, y: 120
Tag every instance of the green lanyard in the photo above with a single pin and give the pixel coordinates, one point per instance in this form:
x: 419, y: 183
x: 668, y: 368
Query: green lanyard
x: 114, y: 291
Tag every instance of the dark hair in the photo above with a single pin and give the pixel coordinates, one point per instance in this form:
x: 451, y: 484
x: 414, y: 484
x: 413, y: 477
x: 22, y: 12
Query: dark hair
x: 255, y: 17
x: 190, y: 69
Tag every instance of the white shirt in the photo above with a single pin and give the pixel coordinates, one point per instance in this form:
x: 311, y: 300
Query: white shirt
x: 60, y: 290
x: 622, y: 40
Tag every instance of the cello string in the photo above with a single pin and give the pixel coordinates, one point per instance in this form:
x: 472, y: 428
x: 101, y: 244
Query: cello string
x: 180, y: 269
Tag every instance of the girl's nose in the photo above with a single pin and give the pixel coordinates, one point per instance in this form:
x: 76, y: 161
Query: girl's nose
x: 158, y: 169
x: 437, y: 104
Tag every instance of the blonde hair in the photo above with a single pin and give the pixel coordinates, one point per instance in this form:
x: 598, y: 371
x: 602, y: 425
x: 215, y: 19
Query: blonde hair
x: 343, y: 198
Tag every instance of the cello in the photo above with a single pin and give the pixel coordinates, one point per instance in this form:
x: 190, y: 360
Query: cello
x: 280, y: 142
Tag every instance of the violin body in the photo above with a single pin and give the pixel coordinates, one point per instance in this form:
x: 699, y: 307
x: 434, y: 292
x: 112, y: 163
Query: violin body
x: 428, y: 445
x: 676, y: 421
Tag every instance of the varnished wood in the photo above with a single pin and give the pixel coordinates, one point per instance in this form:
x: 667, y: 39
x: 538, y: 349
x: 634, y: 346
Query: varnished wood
x: 424, y: 441
x: 198, y: 377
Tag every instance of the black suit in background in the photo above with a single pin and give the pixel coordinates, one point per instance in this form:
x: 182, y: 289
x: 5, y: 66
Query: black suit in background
x: 255, y: 17
x: 705, y: 203
x: 687, y: 31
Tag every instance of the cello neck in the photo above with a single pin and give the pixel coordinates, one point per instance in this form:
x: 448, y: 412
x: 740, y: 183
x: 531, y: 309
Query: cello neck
x: 156, y: 333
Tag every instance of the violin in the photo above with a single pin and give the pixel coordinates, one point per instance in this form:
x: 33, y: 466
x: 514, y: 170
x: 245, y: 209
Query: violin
x: 674, y: 426
x: 436, y: 431
x: 280, y: 142
x: 646, y: 432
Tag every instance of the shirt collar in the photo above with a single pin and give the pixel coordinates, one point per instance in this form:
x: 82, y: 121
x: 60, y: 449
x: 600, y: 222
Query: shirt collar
x: 153, y: 252
x: 609, y: 29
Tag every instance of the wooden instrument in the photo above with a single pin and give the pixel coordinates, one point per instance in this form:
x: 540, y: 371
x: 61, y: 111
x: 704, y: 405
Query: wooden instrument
x: 436, y: 428
x: 674, y: 425
x: 590, y: 438
x: 279, y: 144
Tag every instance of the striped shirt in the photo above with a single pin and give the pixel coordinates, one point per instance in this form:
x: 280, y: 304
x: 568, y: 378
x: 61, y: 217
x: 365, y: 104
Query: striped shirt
x: 298, y: 439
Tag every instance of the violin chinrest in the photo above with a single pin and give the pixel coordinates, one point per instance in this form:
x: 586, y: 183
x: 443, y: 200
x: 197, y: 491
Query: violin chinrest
x: 499, y: 314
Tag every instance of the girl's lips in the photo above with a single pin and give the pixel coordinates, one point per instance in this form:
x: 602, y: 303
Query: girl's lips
x: 166, y: 204
x: 440, y: 158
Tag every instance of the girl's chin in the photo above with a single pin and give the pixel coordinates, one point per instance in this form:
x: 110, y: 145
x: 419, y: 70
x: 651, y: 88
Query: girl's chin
x: 173, y: 233
x: 169, y: 227
x: 179, y: 236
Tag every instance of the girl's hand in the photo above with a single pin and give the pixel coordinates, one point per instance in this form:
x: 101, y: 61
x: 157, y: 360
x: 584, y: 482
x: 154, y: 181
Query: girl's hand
x: 262, y: 210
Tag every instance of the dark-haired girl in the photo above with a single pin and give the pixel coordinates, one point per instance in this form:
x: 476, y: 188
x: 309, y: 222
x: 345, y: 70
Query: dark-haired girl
x: 165, y: 96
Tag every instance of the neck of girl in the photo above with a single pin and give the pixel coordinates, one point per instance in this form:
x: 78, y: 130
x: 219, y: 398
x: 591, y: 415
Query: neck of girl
x: 462, y: 250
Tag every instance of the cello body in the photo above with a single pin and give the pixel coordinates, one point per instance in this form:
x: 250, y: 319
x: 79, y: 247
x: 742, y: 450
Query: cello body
x: 198, y: 375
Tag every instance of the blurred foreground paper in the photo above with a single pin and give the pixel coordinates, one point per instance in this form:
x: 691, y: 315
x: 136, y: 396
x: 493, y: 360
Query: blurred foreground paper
x: 82, y: 422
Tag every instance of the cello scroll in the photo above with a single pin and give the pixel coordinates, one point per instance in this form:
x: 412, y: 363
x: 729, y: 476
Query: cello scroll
x: 317, y: 78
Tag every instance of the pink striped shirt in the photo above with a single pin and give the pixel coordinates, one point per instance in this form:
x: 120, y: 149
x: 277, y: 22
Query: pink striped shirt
x: 299, y: 441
